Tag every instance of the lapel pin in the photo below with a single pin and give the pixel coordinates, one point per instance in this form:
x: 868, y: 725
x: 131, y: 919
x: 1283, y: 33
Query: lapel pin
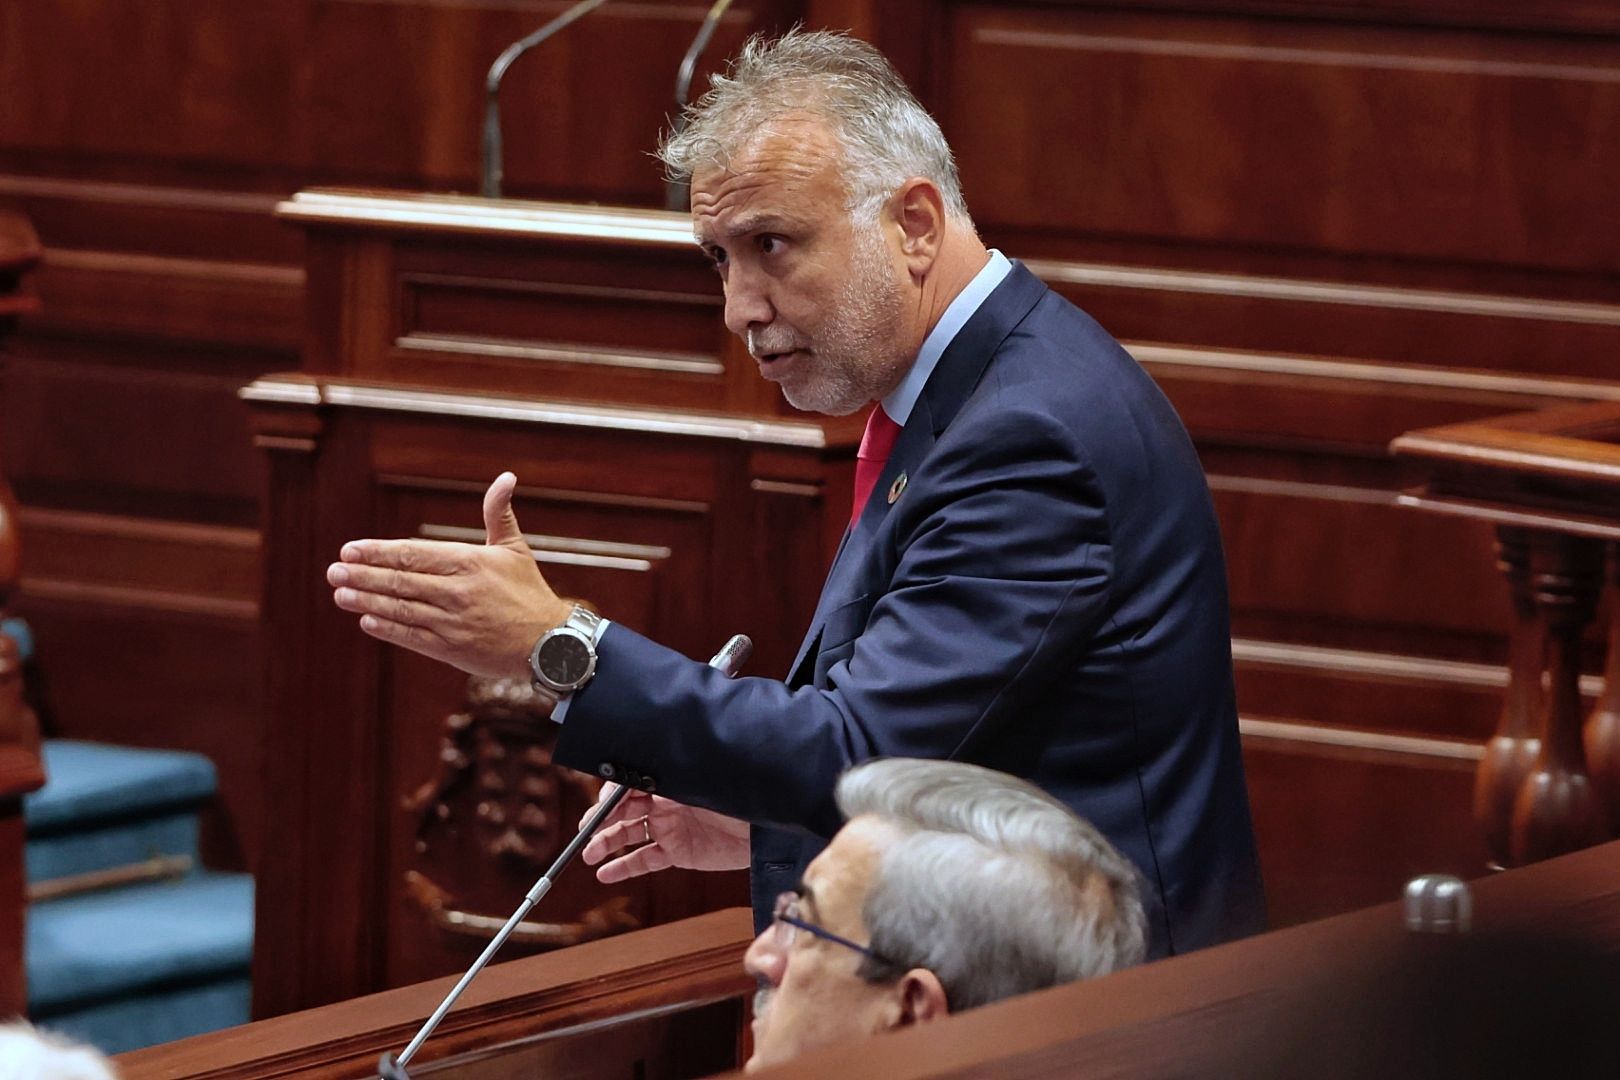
x: 896, y: 488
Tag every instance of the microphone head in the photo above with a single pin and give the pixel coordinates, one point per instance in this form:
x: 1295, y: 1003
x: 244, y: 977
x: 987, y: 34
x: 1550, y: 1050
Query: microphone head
x: 733, y: 655
x: 390, y: 1069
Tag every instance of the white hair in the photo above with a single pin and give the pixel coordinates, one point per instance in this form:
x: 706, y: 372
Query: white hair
x: 886, y: 136
x: 29, y: 1054
x: 994, y: 886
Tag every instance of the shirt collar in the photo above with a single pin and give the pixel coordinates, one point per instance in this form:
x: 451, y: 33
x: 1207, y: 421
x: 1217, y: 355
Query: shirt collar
x: 903, y: 398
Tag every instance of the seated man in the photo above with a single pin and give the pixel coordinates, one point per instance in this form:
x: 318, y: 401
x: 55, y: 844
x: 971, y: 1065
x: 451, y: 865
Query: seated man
x: 950, y: 886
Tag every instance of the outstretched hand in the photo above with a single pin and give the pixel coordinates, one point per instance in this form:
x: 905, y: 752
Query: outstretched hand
x: 656, y: 833
x: 478, y: 608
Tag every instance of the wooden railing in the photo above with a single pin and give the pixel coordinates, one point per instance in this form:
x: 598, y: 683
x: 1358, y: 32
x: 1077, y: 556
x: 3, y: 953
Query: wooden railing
x: 635, y: 1005
x: 1550, y: 482
x: 1356, y: 995
x: 1316, y: 999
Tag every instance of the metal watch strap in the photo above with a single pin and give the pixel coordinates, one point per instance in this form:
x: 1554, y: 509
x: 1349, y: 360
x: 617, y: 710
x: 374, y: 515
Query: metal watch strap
x: 586, y: 622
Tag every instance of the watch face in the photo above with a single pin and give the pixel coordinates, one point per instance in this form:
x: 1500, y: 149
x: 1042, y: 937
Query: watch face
x: 564, y: 659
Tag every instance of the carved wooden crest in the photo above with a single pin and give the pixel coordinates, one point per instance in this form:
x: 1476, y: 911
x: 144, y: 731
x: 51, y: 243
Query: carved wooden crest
x: 493, y: 817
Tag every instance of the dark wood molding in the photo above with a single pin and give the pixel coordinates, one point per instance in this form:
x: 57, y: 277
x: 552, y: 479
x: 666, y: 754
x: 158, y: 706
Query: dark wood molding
x: 685, y: 964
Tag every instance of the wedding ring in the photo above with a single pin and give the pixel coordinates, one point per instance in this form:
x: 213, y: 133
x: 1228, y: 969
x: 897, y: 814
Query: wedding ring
x: 646, y: 831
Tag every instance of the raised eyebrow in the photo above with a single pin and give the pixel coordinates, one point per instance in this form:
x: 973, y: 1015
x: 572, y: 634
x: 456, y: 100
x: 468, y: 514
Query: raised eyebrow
x: 765, y: 221
x: 757, y: 223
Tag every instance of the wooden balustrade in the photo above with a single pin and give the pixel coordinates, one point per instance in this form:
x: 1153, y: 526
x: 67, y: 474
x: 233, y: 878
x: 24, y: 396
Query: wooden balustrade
x: 1550, y: 482
x: 19, y: 734
x: 1602, y: 733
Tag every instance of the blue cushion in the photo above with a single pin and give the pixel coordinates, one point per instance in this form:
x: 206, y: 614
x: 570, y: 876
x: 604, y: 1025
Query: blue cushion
x: 114, y: 844
x: 19, y: 632
x: 97, y: 946
x: 87, y: 782
x: 176, y: 1013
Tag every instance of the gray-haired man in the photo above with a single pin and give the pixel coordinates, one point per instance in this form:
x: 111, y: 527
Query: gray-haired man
x: 951, y: 886
x: 1040, y: 591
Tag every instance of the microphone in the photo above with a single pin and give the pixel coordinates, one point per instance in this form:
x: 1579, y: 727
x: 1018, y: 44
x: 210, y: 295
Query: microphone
x: 490, y: 186
x: 728, y: 661
x: 676, y: 191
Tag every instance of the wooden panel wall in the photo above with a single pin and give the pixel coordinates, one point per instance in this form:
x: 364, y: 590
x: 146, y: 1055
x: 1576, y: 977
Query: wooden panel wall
x: 150, y: 143
x: 1318, y: 223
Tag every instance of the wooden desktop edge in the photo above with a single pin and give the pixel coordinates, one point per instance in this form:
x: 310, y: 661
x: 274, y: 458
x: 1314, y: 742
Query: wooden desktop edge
x: 695, y: 959
x: 1119, y: 1025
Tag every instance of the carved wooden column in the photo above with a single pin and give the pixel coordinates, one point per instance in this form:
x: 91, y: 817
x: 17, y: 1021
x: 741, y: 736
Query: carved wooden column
x: 1549, y: 479
x: 1603, y: 729
x: 1557, y: 809
x: 1512, y: 751
x: 20, y: 770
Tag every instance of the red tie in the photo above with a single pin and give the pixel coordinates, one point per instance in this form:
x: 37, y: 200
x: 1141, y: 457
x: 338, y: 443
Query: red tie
x: 876, y: 445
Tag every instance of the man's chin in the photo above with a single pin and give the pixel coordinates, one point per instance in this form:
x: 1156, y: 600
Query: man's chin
x: 809, y: 400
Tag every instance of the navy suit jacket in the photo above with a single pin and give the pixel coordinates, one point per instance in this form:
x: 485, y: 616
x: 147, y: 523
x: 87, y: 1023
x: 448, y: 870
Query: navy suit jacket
x: 1046, y: 596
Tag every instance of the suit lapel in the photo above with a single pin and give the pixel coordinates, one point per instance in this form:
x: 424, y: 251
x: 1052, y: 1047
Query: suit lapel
x: 953, y: 379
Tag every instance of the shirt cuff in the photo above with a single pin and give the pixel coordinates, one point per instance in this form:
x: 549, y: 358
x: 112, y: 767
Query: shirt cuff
x: 559, y: 711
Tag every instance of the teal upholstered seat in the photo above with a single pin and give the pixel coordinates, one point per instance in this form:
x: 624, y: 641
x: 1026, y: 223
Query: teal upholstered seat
x: 138, y: 964
x: 130, y: 967
x: 19, y: 632
x: 108, y: 806
x: 85, y: 782
x: 105, y: 944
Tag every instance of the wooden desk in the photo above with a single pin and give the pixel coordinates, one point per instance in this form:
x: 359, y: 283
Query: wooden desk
x: 1237, y: 1010
x: 1550, y: 483
x: 673, y: 997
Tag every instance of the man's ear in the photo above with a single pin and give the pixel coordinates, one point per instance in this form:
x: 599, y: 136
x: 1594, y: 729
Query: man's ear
x: 922, y: 998
x: 919, y: 212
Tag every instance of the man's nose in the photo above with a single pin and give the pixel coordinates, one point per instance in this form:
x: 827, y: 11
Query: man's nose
x: 748, y: 304
x: 765, y: 960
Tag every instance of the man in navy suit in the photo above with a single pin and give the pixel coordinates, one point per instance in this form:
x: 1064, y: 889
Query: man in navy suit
x: 1032, y: 580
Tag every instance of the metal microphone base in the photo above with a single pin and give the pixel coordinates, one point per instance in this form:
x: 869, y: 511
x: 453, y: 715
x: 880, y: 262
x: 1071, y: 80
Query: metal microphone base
x: 390, y: 1069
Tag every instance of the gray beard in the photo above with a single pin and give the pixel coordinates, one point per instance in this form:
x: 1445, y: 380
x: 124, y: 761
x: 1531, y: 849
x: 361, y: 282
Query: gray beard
x: 854, y: 356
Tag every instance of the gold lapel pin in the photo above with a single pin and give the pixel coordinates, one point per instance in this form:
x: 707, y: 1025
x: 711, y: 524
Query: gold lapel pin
x: 896, y: 488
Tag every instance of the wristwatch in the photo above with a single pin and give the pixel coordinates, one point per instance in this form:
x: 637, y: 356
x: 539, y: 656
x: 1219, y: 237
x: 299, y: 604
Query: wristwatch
x: 564, y: 659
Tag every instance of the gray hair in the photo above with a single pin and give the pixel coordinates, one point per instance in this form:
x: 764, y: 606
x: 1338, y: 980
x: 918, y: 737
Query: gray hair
x: 29, y: 1054
x: 996, y: 887
x: 886, y: 136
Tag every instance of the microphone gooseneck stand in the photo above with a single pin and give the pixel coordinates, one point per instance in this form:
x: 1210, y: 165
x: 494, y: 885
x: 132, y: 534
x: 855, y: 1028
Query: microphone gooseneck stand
x: 490, y: 186
x: 728, y: 661
x: 676, y: 192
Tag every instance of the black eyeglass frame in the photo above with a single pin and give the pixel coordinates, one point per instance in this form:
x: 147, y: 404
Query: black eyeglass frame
x: 787, y: 900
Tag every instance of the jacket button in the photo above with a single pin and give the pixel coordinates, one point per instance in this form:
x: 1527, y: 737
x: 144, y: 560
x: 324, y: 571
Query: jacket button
x: 605, y: 770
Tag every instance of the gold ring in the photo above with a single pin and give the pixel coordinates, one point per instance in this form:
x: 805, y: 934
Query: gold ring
x: 646, y: 831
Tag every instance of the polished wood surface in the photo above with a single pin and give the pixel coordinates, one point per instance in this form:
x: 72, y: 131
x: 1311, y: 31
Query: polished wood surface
x: 20, y: 773
x: 623, y: 1007
x: 20, y: 770
x: 1550, y: 480
x: 1313, y: 999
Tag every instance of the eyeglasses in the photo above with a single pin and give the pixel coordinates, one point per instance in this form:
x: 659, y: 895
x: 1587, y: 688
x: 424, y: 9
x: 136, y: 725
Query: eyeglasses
x: 787, y: 924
